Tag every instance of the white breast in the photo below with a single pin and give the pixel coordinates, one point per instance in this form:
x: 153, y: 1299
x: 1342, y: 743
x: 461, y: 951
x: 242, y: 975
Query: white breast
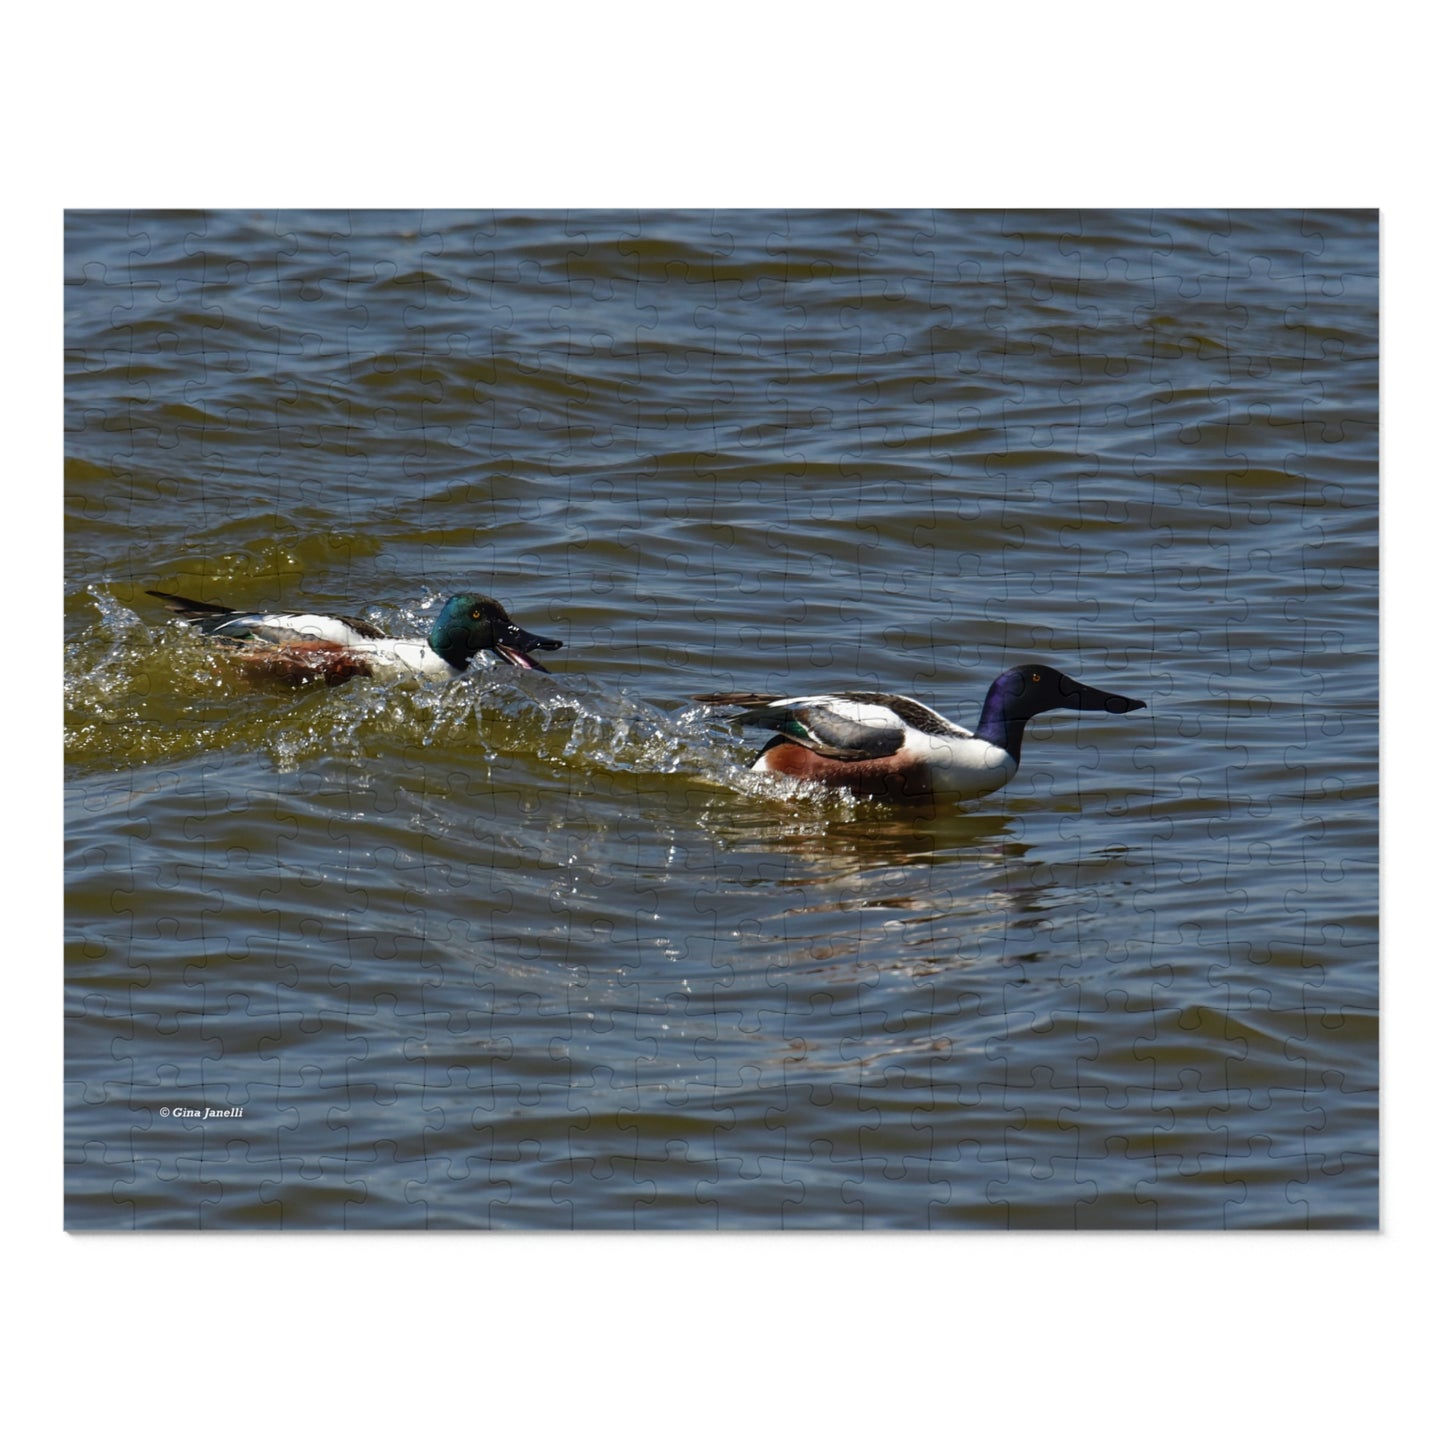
x: 967, y: 766
x: 394, y: 657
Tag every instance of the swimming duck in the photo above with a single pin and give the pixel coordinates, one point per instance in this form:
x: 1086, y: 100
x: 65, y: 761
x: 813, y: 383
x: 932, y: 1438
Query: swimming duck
x: 299, y: 647
x: 879, y: 744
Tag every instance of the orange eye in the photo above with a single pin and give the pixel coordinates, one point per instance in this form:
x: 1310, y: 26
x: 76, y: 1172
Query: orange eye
x: 476, y: 613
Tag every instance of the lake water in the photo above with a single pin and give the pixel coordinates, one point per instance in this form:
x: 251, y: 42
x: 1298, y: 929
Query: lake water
x: 536, y: 950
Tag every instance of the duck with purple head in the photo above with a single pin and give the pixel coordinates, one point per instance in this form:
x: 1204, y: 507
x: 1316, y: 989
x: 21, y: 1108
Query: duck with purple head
x: 883, y: 745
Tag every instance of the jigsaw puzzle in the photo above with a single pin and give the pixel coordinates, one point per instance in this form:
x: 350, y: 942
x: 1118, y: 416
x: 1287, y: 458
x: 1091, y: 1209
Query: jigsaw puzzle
x: 831, y: 720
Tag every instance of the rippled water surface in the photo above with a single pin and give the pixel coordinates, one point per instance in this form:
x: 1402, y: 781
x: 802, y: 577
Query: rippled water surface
x: 536, y: 950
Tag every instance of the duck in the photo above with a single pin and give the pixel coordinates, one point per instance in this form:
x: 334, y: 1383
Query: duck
x: 301, y: 647
x: 878, y: 744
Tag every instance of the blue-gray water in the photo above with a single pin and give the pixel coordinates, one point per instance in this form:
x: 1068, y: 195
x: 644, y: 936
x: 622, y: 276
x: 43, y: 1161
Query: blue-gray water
x: 537, y: 951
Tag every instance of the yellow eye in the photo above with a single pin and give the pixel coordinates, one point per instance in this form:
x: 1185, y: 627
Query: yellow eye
x: 476, y: 613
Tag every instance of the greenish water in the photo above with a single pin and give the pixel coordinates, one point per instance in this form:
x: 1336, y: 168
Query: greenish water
x: 536, y: 950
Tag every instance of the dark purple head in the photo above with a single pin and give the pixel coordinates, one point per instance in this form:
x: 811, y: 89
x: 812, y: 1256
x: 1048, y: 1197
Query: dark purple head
x: 1025, y: 692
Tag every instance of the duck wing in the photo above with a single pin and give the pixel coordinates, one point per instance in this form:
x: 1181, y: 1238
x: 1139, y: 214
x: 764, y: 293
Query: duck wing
x: 844, y: 726
x: 218, y: 621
